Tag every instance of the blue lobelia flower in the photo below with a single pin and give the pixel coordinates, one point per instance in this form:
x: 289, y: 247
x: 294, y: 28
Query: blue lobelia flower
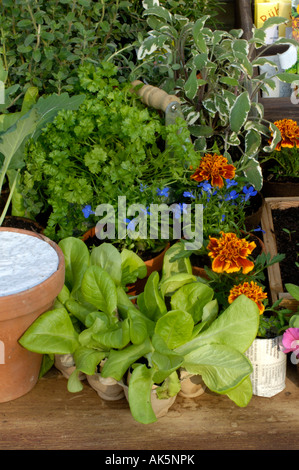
x: 259, y: 229
x: 188, y: 194
x: 87, y: 211
x: 142, y: 187
x: 231, y: 196
x: 163, y: 192
x: 205, y: 186
x: 131, y: 224
x: 180, y: 208
x: 230, y: 183
x: 249, y: 192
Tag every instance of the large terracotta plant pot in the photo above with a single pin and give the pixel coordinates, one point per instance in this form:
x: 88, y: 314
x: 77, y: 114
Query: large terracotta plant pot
x: 20, y: 307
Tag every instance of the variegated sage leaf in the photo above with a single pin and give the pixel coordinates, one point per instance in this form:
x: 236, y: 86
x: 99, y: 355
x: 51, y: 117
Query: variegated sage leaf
x: 239, y: 112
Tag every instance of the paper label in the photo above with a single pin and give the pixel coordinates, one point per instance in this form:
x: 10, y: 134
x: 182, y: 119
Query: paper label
x: 269, y: 366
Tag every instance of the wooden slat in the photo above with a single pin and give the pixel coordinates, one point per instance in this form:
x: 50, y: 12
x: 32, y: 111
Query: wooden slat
x: 51, y: 418
x: 274, y: 274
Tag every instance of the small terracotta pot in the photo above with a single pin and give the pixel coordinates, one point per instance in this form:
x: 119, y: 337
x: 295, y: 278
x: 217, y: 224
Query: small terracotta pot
x: 19, y: 368
x: 191, y: 385
x: 153, y: 264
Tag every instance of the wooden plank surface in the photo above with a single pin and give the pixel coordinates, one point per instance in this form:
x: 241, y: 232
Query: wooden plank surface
x: 51, y: 418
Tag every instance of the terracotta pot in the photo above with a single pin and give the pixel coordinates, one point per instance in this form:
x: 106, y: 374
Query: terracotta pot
x: 107, y: 388
x: 153, y: 264
x: 19, y: 368
x: 191, y: 385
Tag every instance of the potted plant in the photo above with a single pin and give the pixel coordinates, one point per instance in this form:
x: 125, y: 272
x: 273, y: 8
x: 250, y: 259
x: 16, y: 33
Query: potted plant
x: 107, y: 149
x: 280, y: 167
x: 232, y: 274
x: 32, y: 275
x: 290, y: 336
x: 189, y: 335
x: 265, y: 353
x: 216, y: 76
x: 15, y: 130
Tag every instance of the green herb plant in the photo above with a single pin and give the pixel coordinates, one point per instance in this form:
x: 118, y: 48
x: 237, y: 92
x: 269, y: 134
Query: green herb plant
x: 107, y: 148
x: 216, y: 75
x: 176, y: 323
x: 43, y: 43
x: 15, y: 130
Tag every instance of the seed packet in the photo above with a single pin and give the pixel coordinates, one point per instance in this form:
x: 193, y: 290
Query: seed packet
x: 263, y: 11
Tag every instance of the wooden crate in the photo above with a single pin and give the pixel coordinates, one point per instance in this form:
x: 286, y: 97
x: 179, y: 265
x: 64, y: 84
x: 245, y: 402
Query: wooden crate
x: 274, y: 274
x: 274, y: 108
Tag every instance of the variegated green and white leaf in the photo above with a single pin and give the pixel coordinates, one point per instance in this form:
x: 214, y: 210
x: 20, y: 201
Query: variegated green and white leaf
x: 241, y: 45
x: 191, y: 85
x: 276, y: 137
x: 210, y: 106
x: 150, y: 45
x: 233, y: 139
x: 253, y: 141
x: 159, y: 11
x: 239, y: 112
x: 253, y: 173
x: 257, y: 126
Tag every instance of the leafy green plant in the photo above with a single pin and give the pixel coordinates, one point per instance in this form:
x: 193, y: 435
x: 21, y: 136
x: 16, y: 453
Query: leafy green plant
x: 153, y: 339
x: 43, y: 43
x: 106, y: 149
x: 282, y: 163
x: 216, y: 75
x: 18, y: 127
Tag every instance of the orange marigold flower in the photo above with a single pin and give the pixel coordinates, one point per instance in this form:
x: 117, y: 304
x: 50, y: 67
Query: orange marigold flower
x: 214, y: 167
x: 289, y: 134
x: 230, y: 253
x: 252, y: 290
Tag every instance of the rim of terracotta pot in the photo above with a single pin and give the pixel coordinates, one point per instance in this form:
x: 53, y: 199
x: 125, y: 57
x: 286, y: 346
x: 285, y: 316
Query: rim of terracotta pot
x: 24, y: 302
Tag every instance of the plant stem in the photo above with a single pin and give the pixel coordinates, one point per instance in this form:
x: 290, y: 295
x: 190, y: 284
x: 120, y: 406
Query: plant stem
x: 2, y: 217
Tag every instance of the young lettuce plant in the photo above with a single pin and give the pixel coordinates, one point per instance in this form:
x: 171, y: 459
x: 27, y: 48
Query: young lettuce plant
x: 175, y: 324
x: 190, y: 333
x: 87, y: 303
